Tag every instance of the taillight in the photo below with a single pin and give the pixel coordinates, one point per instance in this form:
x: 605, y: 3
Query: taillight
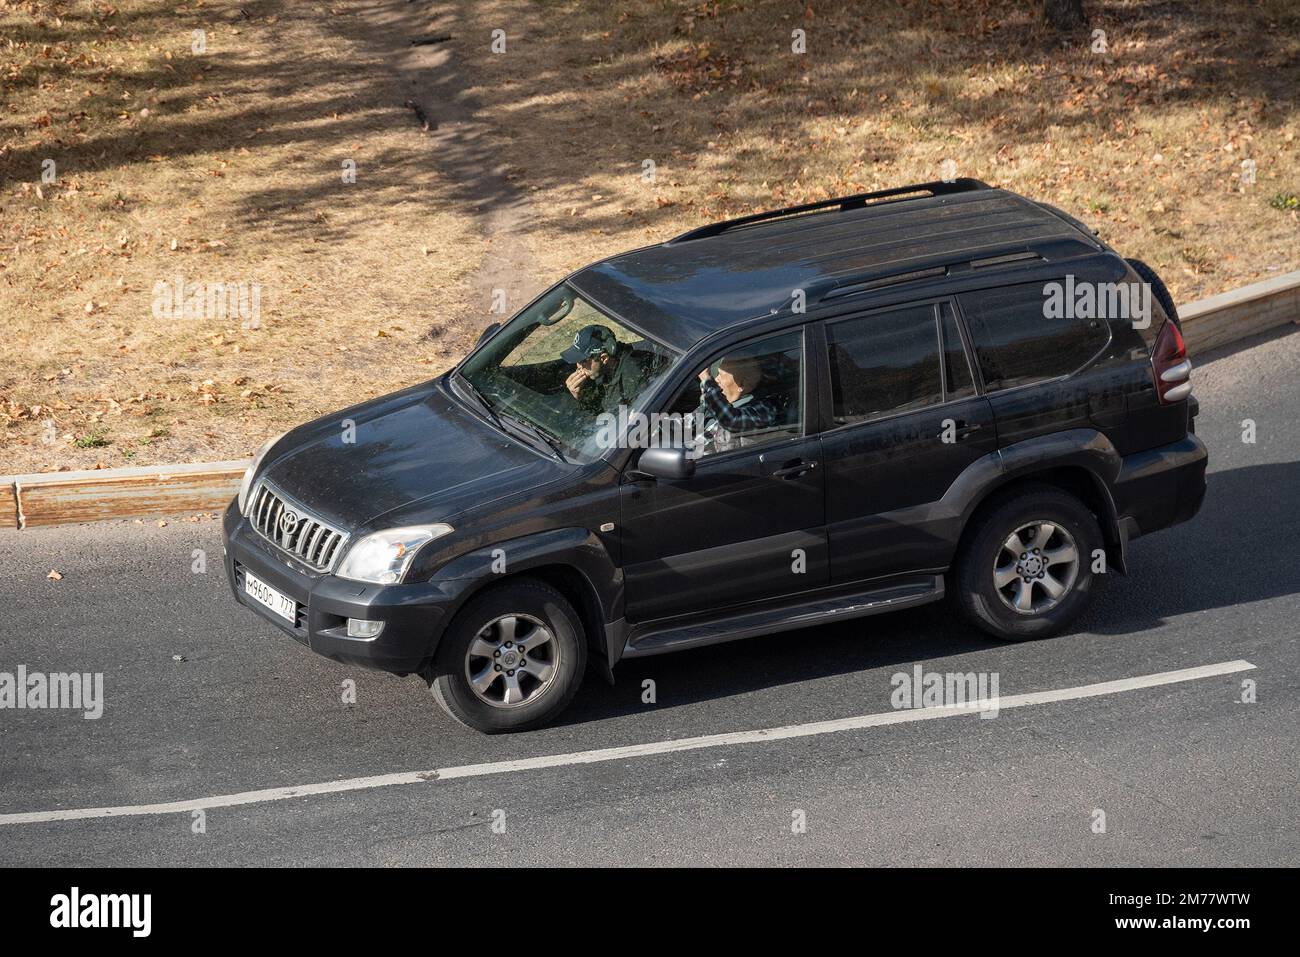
x: 1170, y: 366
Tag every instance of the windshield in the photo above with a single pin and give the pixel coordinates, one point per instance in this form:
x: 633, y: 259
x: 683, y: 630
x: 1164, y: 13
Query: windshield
x: 564, y: 368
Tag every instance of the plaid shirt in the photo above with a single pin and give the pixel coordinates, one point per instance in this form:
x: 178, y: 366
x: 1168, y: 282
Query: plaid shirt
x: 744, y: 415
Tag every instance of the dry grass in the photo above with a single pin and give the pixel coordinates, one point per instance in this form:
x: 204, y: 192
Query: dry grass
x: 220, y: 167
x: 1143, y: 142
x: 237, y: 162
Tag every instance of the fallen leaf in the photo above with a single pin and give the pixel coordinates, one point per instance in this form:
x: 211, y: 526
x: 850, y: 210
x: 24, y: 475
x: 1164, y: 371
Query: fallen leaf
x: 55, y: 575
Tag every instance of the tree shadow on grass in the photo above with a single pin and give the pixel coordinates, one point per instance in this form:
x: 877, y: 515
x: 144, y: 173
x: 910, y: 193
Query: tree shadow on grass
x: 603, y: 102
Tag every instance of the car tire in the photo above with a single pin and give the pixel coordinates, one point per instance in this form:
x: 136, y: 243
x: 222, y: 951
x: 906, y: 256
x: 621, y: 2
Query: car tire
x: 479, y: 667
x: 991, y: 584
x: 1158, y: 288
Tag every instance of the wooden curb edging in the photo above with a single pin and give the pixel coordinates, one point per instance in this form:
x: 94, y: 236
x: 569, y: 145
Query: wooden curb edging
x: 60, y: 498
x: 1240, y: 313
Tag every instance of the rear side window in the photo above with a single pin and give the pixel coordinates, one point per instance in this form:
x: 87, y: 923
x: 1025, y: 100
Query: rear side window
x: 1018, y: 340
x: 884, y: 363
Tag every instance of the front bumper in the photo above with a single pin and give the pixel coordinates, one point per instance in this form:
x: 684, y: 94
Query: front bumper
x: 414, y: 614
x: 1161, y: 487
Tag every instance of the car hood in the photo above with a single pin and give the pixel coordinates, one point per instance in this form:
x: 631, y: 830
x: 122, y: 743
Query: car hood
x: 415, y: 457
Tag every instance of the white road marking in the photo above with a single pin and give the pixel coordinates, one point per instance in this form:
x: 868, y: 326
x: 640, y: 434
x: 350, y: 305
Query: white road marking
x: 629, y: 751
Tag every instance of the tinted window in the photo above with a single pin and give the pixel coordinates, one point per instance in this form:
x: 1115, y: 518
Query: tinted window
x: 1018, y: 340
x: 956, y: 370
x: 757, y: 398
x: 884, y: 363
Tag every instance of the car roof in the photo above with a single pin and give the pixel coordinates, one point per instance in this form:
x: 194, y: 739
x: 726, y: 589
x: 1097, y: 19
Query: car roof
x: 710, y: 279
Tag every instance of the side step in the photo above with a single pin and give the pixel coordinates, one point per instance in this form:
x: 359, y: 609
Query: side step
x: 658, y: 638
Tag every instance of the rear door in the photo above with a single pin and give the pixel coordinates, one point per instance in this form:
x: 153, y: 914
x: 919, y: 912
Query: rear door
x: 750, y: 524
x: 906, y: 420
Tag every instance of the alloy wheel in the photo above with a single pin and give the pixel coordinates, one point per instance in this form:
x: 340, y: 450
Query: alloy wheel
x: 1036, y: 567
x: 511, y: 661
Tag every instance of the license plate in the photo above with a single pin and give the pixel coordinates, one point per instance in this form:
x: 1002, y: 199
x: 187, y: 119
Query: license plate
x: 278, y: 602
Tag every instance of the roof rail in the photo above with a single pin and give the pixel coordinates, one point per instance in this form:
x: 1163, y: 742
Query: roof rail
x: 868, y: 285
x: 856, y: 284
x: 857, y: 201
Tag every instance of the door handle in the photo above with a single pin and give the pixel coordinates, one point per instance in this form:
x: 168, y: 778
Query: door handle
x: 962, y: 429
x: 794, y: 469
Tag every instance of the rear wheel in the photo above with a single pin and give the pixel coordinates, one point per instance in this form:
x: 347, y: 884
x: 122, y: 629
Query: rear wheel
x: 1026, y: 571
x: 1158, y: 288
x: 511, y: 660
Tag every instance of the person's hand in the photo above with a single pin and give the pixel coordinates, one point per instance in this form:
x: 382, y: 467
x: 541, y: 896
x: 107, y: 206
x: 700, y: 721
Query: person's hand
x: 704, y: 375
x: 576, y: 380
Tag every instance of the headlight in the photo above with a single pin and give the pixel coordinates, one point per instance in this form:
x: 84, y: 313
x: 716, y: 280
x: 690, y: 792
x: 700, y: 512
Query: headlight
x: 383, y: 557
x: 247, y: 481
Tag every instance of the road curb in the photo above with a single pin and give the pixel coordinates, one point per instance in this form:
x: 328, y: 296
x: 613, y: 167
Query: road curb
x: 61, y: 498
x: 1240, y: 313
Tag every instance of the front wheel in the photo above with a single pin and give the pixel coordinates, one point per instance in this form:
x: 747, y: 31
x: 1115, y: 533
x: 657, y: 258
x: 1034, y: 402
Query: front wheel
x: 1027, y: 570
x: 511, y: 660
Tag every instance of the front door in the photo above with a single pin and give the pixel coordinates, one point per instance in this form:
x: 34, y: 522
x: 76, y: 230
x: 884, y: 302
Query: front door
x: 750, y: 523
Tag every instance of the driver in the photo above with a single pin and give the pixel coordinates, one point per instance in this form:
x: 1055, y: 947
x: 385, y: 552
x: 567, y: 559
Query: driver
x: 606, y: 375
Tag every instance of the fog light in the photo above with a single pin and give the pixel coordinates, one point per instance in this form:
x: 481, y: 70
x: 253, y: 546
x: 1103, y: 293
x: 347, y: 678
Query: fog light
x: 360, y: 628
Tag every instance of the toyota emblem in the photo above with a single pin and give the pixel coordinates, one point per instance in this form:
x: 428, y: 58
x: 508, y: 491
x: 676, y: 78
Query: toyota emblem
x: 288, y: 523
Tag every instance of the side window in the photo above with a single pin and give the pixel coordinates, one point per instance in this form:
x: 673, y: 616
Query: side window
x: 957, y: 380
x: 884, y: 363
x: 754, y: 397
x: 1019, y: 340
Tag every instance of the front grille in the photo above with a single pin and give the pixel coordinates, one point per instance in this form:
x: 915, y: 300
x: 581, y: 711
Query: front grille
x: 291, y: 529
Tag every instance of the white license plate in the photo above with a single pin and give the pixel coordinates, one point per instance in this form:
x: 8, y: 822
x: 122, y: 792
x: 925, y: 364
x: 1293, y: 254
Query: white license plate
x: 280, y: 603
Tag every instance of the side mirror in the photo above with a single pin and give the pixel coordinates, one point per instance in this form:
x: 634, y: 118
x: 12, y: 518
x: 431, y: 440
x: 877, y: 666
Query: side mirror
x: 487, y: 334
x: 666, y: 463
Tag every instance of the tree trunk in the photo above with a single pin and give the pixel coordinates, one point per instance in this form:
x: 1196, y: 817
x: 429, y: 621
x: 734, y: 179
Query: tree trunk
x: 1066, y: 15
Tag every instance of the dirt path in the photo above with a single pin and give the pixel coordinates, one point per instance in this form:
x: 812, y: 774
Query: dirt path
x: 463, y: 146
x: 272, y: 180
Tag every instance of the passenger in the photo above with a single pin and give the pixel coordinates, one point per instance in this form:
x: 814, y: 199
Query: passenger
x: 730, y: 407
x: 607, y: 375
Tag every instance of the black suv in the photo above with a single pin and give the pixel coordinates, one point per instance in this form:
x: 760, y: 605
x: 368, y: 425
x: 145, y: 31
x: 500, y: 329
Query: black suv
x: 790, y: 418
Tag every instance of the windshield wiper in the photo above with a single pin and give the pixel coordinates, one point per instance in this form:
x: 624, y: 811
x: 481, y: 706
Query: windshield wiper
x: 482, y: 400
x: 538, y: 432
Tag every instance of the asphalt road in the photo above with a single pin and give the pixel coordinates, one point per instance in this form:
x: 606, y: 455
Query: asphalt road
x: 1185, y: 773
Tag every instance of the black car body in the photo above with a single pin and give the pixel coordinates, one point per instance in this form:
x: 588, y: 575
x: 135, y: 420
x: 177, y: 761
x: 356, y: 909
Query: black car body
x: 929, y: 297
